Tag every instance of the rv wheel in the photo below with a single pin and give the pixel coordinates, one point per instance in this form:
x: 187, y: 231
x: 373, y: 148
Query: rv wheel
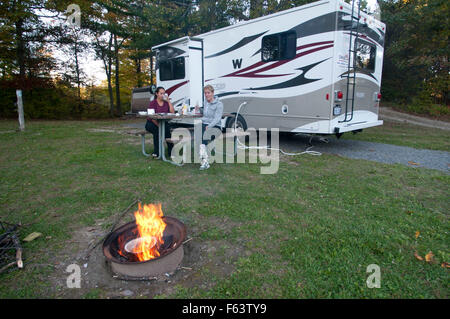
x: 240, y: 123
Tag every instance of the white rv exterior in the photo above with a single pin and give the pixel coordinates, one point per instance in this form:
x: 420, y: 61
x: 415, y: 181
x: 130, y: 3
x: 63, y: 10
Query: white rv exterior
x: 292, y: 68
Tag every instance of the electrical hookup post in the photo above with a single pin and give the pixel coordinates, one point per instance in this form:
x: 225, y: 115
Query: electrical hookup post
x: 20, y: 110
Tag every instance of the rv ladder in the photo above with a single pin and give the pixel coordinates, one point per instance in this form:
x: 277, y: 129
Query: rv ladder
x: 351, y: 67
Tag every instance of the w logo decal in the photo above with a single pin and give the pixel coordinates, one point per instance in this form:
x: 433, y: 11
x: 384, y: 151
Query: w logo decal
x: 237, y: 63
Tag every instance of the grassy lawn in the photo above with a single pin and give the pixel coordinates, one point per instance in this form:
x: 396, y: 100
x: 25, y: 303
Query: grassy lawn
x: 309, y: 231
x: 404, y: 134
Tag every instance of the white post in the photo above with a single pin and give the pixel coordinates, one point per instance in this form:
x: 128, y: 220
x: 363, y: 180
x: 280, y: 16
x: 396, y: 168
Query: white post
x: 20, y: 110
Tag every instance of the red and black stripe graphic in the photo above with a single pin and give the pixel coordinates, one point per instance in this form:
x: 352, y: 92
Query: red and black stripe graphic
x: 359, y: 70
x: 176, y: 86
x: 297, y: 81
x: 250, y: 72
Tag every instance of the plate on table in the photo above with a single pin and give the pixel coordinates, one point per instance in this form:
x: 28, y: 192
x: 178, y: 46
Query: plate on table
x: 143, y: 113
x: 164, y: 114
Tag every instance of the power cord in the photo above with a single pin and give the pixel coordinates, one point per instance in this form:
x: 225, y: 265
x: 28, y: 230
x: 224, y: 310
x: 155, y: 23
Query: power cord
x: 243, y: 146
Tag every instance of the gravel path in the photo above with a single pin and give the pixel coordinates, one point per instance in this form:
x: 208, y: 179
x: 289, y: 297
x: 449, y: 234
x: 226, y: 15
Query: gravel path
x: 378, y: 152
x: 387, y: 113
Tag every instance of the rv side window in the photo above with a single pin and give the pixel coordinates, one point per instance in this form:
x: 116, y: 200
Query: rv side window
x: 172, y: 69
x: 365, y: 55
x: 280, y: 46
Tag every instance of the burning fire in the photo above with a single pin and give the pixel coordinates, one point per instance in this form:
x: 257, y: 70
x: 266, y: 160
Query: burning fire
x: 150, y: 226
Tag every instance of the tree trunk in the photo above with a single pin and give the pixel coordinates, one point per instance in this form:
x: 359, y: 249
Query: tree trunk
x: 106, y: 57
x: 117, y: 63
x: 110, y: 90
x: 137, y: 62
x: 20, y: 53
x: 77, y: 70
x: 108, y: 75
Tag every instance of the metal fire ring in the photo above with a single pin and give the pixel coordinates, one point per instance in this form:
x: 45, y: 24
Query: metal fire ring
x: 167, y: 262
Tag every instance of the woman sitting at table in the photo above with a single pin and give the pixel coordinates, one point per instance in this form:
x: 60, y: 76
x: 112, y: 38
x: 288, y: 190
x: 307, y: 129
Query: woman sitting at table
x: 161, y: 104
x: 211, y: 120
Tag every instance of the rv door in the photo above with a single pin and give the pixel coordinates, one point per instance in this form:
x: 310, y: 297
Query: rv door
x: 196, y: 72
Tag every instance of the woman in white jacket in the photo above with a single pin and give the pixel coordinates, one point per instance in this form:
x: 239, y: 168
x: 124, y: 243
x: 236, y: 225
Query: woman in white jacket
x: 212, y: 115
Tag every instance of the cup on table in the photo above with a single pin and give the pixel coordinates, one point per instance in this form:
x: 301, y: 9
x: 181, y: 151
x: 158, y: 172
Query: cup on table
x: 150, y: 111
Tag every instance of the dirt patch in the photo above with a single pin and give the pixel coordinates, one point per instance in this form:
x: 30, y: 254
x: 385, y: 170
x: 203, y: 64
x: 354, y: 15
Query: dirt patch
x: 202, y: 258
x: 133, y: 141
x: 100, y: 130
x: 118, y: 130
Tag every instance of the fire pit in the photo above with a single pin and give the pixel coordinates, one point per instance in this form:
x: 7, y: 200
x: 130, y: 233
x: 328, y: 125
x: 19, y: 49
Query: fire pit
x: 148, y: 247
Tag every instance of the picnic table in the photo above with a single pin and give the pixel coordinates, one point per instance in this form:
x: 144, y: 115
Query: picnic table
x: 162, y: 118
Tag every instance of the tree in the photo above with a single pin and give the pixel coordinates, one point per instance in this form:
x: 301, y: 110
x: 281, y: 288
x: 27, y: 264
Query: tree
x: 103, y: 24
x: 75, y: 47
x: 23, y: 37
x: 416, y: 50
x: 103, y: 49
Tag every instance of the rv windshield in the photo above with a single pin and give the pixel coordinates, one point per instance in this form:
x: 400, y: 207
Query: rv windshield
x: 172, y: 69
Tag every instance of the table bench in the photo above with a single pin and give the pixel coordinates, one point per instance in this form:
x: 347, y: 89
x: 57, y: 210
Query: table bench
x: 142, y: 134
x: 235, y: 135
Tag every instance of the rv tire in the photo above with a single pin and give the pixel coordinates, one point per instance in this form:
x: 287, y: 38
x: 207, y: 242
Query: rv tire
x: 240, y: 123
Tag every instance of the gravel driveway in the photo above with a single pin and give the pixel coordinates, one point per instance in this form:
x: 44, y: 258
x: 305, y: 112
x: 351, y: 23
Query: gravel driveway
x: 383, y: 153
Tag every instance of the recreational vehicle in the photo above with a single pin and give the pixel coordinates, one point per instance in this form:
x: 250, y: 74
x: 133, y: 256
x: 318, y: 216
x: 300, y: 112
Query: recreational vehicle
x: 310, y: 69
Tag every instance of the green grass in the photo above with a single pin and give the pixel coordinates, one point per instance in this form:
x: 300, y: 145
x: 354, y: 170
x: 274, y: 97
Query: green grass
x: 309, y: 231
x: 405, y: 135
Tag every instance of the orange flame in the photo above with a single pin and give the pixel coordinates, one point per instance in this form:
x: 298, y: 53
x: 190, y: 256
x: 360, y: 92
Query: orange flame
x: 151, y: 227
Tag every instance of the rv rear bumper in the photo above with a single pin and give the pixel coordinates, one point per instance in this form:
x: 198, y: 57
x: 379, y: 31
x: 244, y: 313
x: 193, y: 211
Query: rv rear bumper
x: 356, y: 126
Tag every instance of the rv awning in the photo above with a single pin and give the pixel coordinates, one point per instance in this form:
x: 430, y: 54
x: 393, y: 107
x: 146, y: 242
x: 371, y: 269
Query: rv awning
x: 184, y: 39
x: 170, y: 42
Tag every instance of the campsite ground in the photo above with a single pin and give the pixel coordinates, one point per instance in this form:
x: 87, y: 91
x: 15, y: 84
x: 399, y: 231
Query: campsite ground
x: 308, y: 231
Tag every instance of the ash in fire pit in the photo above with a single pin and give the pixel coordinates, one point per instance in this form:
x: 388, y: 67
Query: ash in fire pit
x: 149, y: 247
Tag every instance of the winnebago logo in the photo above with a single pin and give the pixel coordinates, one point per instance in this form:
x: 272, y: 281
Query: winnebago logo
x: 237, y: 63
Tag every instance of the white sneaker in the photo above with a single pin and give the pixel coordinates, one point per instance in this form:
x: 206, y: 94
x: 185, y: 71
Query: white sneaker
x: 204, y: 157
x: 205, y: 165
